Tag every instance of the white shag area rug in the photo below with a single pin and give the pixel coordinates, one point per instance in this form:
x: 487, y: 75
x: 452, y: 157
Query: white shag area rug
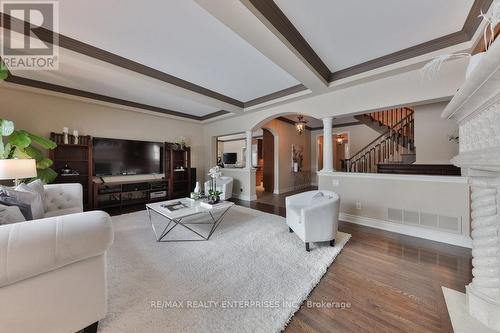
x: 251, y: 276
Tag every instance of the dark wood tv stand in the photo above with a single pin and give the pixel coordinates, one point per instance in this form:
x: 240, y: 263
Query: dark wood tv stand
x: 119, y: 197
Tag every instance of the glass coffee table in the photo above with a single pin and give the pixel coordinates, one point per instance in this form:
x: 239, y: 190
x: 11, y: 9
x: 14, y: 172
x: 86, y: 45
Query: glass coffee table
x: 180, y: 212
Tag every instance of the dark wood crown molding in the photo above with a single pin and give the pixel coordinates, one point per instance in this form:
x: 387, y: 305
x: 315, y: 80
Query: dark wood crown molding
x: 280, y: 22
x: 473, y: 20
x: 85, y: 94
x: 114, y: 59
x: 270, y: 10
x: 405, y: 54
x: 276, y: 95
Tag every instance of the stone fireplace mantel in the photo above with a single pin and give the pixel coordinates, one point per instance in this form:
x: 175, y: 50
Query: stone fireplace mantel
x: 476, y: 107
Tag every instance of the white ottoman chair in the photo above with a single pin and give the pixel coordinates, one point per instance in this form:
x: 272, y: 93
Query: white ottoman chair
x: 313, y: 216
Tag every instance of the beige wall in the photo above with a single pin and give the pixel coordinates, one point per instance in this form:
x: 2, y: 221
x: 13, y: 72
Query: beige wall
x: 289, y: 136
x: 431, y: 135
x: 42, y: 114
x: 366, y: 198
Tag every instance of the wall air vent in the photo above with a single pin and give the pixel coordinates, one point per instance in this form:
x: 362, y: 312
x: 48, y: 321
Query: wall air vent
x: 411, y: 217
x: 429, y: 220
x: 395, y: 215
x: 426, y: 220
x: 450, y: 223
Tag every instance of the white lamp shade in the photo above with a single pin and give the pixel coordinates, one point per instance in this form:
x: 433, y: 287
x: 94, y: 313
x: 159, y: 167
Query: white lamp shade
x: 17, y: 168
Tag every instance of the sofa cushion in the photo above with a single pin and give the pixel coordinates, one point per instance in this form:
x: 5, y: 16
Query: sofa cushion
x: 10, y: 214
x: 23, y: 200
x: 37, y: 209
x: 64, y: 211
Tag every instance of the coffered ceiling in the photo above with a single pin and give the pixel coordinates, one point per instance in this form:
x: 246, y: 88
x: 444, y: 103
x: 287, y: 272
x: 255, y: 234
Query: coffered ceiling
x: 202, y: 59
x: 348, y: 33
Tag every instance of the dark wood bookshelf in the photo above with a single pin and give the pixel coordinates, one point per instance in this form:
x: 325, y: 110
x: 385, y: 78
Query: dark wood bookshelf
x: 179, y: 180
x: 77, y: 157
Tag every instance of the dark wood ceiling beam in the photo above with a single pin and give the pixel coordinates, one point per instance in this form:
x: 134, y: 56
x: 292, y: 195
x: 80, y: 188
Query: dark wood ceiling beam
x: 276, y: 95
x: 273, y: 14
x: 86, y: 94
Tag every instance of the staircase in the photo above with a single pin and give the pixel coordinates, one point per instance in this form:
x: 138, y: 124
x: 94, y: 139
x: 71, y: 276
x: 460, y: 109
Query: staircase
x: 395, y: 144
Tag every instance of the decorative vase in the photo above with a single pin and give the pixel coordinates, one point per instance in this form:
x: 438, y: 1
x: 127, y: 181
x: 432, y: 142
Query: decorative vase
x: 65, y: 135
x: 75, y: 137
x: 197, y: 188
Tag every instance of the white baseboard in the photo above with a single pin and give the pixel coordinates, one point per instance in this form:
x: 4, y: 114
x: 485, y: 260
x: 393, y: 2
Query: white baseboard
x: 290, y: 189
x: 244, y: 197
x: 434, y: 235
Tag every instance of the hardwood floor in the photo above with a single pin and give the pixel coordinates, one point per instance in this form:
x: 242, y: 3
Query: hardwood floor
x: 392, y: 282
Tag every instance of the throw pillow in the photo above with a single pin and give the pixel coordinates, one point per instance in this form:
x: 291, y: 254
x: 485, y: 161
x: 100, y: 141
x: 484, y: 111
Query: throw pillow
x: 8, y: 200
x: 318, y: 195
x: 37, y: 206
x: 10, y: 214
x: 37, y: 186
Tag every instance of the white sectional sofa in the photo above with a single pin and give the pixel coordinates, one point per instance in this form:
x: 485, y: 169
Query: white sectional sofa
x: 53, y: 270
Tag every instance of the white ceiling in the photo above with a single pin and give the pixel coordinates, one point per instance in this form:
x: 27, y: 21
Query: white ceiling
x: 80, y: 72
x: 177, y: 37
x: 346, y: 33
x: 181, y: 38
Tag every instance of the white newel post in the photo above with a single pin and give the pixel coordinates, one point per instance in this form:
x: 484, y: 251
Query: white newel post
x: 476, y: 106
x: 327, y: 145
x: 248, y: 152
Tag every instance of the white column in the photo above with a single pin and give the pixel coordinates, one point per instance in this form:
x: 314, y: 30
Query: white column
x: 327, y: 145
x: 483, y: 293
x: 248, y: 154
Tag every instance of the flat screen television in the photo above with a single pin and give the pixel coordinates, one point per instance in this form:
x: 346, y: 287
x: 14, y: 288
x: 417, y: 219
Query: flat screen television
x: 114, y: 157
x: 229, y: 158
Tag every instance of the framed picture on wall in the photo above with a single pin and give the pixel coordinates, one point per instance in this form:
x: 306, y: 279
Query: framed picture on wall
x: 297, y: 157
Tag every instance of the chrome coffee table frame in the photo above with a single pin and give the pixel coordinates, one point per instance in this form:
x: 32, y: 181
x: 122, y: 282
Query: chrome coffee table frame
x: 178, y: 221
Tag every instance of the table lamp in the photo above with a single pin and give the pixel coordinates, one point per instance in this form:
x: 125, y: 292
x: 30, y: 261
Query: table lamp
x: 17, y: 169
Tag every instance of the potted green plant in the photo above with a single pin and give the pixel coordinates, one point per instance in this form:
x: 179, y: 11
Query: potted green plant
x: 24, y: 145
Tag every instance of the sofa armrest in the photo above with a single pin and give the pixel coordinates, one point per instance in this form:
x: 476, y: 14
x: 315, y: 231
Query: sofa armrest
x: 62, y: 196
x: 31, y: 248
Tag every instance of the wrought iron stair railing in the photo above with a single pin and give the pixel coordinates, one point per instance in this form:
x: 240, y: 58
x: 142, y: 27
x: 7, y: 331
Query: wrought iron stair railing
x: 390, y: 146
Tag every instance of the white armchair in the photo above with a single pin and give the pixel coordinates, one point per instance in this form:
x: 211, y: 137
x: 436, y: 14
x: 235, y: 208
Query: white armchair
x: 313, y: 218
x: 224, y: 185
